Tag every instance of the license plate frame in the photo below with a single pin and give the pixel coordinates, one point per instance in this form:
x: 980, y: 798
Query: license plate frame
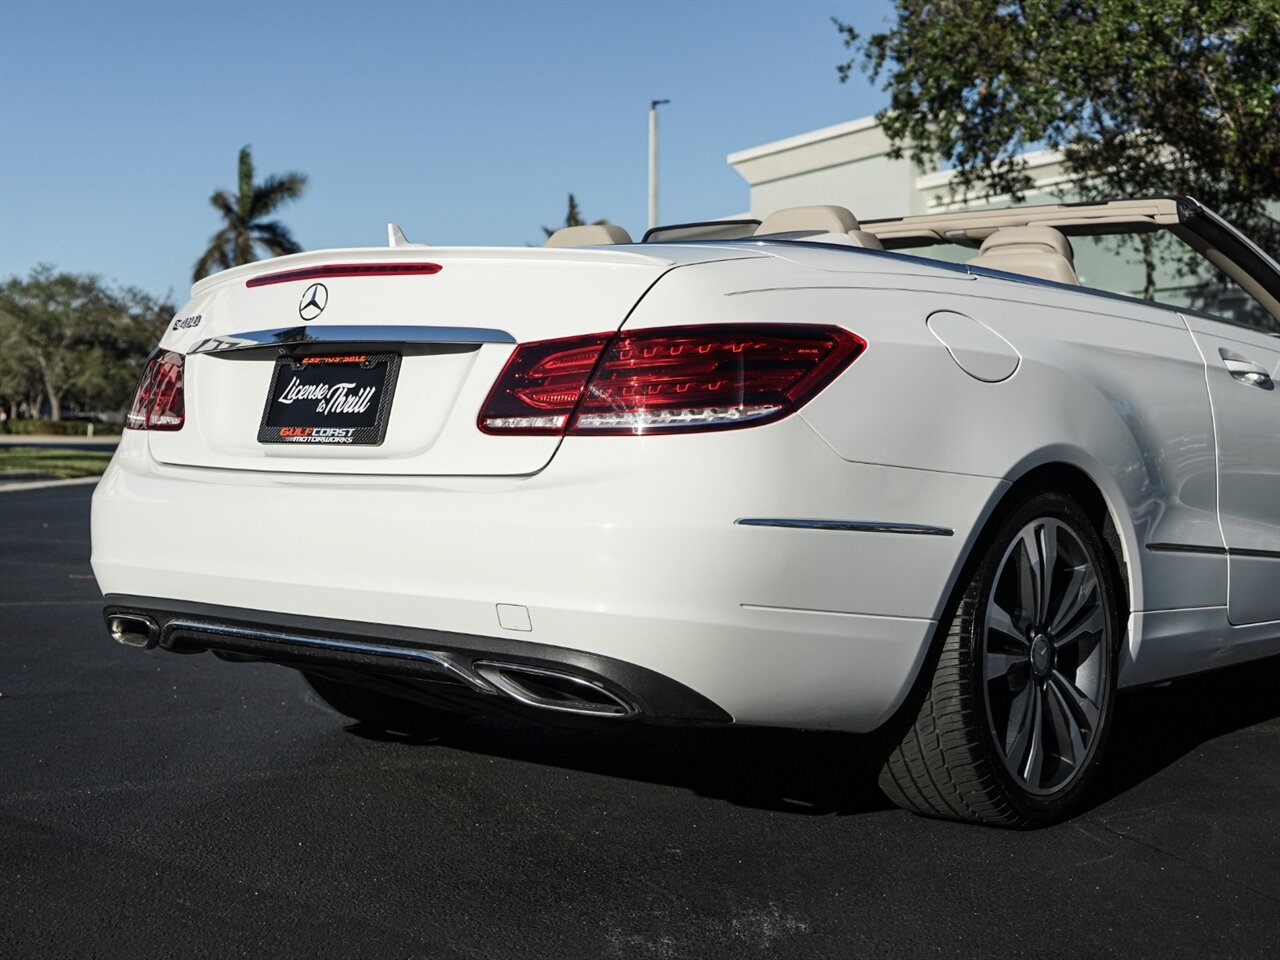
x: 340, y: 414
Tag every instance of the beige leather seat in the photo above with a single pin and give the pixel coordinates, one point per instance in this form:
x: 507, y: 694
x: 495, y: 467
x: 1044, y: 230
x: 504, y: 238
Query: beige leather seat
x: 1032, y: 251
x: 588, y: 235
x: 822, y: 218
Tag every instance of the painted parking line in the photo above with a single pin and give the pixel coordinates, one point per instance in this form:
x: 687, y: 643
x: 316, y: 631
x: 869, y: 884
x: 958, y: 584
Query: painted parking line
x: 45, y: 484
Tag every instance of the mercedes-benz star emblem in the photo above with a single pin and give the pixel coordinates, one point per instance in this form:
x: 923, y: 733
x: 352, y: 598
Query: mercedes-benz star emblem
x: 313, y: 300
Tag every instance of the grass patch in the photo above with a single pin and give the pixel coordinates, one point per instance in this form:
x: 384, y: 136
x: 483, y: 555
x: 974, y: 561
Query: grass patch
x: 59, y: 462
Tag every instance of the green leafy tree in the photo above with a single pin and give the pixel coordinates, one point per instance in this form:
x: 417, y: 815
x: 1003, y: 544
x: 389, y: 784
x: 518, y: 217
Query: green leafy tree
x: 45, y: 318
x: 572, y: 218
x: 117, y: 346
x: 1141, y: 96
x: 67, y: 338
x: 20, y: 387
x: 244, y: 214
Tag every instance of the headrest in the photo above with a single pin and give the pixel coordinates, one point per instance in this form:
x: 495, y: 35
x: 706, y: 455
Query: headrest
x: 860, y: 238
x: 826, y: 219
x: 1009, y: 240
x: 588, y: 235
x: 1031, y: 251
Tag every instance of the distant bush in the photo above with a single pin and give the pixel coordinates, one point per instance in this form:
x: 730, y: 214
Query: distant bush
x: 59, y: 428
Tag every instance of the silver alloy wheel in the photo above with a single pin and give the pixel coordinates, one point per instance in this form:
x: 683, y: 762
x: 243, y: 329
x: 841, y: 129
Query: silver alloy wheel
x: 1046, y: 667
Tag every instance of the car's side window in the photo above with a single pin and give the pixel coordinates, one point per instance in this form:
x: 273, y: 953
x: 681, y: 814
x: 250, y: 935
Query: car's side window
x: 1160, y: 268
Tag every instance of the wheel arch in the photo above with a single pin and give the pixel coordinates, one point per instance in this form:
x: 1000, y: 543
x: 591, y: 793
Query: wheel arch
x: 1073, y: 472
x: 1056, y: 469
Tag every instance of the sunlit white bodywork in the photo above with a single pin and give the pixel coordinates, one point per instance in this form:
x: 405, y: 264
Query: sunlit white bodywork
x: 632, y: 547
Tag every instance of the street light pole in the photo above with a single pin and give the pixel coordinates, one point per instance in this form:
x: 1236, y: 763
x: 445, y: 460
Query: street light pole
x: 653, y: 161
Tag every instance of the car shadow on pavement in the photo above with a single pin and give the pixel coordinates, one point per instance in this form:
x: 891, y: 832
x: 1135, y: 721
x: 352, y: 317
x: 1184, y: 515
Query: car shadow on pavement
x: 811, y: 773
x: 782, y: 770
x: 1154, y: 727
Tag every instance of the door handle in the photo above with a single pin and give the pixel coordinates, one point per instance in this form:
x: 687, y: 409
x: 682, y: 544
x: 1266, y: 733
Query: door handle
x: 1245, y: 370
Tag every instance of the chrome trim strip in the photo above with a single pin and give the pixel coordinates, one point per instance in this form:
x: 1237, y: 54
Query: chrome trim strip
x: 329, y: 643
x: 856, y: 526
x: 832, y: 613
x: 291, y: 336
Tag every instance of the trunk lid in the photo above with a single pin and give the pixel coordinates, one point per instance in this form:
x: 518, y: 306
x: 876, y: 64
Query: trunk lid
x: 450, y: 331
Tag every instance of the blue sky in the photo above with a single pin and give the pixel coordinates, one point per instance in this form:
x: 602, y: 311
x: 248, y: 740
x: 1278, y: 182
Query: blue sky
x: 466, y: 123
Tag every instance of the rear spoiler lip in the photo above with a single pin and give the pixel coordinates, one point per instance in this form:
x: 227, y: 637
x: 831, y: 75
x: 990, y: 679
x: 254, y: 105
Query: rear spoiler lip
x: 613, y: 255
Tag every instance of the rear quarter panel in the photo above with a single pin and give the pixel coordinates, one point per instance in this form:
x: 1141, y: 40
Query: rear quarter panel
x: 1113, y: 388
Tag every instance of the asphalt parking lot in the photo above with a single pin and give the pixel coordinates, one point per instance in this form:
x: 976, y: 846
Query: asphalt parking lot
x: 153, y: 805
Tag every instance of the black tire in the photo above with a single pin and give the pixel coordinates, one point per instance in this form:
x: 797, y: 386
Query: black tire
x: 962, y: 755
x: 380, y: 710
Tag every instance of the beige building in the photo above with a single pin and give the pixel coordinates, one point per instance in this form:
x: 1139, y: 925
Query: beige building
x: 849, y: 164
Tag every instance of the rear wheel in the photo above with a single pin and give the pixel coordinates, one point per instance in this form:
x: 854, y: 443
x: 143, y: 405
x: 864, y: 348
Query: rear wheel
x: 1012, y: 727
x: 381, y: 710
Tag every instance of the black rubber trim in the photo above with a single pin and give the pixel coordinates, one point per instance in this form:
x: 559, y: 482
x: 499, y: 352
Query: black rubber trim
x: 440, y: 663
x: 1213, y: 551
x: 1186, y: 548
x: 1247, y: 552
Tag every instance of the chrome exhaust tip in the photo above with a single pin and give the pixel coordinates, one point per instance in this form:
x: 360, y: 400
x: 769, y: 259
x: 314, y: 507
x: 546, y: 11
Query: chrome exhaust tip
x: 552, y: 690
x: 133, y: 630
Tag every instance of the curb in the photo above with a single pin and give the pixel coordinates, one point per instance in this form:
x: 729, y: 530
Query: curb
x: 85, y: 443
x: 46, y: 484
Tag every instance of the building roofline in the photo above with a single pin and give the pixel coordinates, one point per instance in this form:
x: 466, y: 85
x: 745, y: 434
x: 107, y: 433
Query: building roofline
x: 804, y: 139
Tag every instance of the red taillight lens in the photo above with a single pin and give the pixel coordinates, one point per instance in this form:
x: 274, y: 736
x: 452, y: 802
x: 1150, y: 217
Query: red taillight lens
x: 677, y: 379
x: 158, y: 403
x: 667, y: 380
x: 540, y: 385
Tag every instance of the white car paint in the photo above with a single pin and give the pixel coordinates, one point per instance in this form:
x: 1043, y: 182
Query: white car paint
x: 629, y: 547
x: 1246, y: 413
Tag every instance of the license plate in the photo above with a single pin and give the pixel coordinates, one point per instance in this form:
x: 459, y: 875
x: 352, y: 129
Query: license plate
x: 336, y: 399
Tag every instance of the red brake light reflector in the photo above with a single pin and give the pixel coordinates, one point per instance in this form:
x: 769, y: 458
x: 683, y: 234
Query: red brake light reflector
x: 346, y: 270
x: 668, y: 379
x: 159, y: 402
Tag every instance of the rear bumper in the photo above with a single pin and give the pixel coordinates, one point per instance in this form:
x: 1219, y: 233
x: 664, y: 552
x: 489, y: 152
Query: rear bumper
x: 625, y: 549
x: 469, y: 672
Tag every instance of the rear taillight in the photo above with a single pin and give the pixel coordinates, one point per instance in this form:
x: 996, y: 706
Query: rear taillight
x: 158, y: 403
x: 666, y: 380
x: 540, y: 385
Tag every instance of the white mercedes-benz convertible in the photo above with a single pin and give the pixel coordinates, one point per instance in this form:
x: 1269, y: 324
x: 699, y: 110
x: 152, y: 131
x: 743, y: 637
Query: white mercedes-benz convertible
x: 949, y: 481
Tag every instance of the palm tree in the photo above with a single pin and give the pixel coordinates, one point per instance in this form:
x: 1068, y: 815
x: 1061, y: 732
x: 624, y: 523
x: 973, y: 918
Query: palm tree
x: 243, y: 216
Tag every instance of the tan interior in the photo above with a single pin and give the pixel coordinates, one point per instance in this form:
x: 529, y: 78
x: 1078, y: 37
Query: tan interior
x: 977, y: 225
x: 823, y: 218
x: 588, y: 235
x: 1031, y: 251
